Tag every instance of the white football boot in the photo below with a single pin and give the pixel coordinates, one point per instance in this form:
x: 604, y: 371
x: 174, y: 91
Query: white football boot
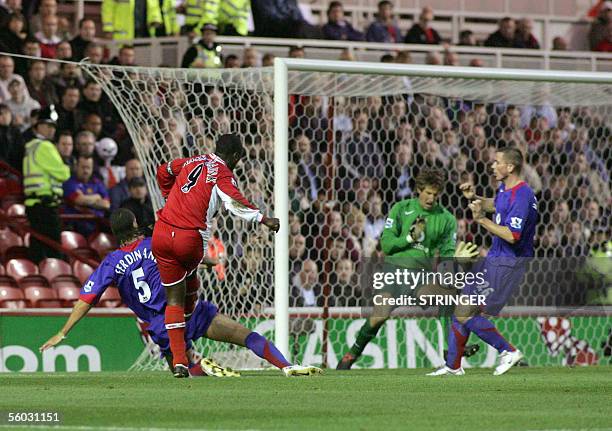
x: 301, y: 370
x: 506, y: 361
x: 446, y: 371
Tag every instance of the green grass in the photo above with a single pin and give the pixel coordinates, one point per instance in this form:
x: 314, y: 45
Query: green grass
x: 525, y: 398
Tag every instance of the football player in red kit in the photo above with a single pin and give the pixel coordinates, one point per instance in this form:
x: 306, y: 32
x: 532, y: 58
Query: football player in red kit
x: 195, y: 187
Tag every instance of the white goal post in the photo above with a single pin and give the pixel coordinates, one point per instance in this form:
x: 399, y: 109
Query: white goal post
x: 282, y: 70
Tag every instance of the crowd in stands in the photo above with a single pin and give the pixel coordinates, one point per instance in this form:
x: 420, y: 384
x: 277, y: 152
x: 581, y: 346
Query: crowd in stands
x: 369, y: 157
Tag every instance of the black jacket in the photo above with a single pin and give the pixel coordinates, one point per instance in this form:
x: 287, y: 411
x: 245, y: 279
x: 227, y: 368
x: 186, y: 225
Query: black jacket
x: 416, y: 34
x: 12, y: 147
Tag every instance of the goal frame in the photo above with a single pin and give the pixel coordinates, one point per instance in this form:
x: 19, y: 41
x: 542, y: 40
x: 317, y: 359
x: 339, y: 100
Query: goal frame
x: 282, y: 67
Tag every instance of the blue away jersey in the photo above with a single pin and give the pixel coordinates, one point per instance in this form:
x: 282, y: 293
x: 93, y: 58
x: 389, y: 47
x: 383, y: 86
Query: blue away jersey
x: 133, y: 270
x: 516, y: 208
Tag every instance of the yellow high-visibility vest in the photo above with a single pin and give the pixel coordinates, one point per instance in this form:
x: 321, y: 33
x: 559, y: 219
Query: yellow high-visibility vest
x: 44, y: 171
x: 227, y: 12
x: 118, y: 17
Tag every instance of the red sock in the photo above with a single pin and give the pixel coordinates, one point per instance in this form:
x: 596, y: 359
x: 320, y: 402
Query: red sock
x: 191, y: 295
x: 175, y: 325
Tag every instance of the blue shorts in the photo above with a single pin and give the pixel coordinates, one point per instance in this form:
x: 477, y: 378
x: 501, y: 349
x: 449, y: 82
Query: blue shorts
x: 196, y: 327
x: 501, y: 276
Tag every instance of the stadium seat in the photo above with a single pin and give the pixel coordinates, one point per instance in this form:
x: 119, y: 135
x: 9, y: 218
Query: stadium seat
x: 60, y: 283
x: 16, y: 210
x: 9, y: 239
x: 103, y: 244
x: 110, y: 298
x: 12, y: 297
x: 68, y: 295
x: 2, y: 270
x: 16, y: 252
x: 72, y: 240
x: 6, y: 281
x: 25, y: 273
x: 81, y: 270
x: 86, y: 253
x: 52, y: 268
x: 41, y: 297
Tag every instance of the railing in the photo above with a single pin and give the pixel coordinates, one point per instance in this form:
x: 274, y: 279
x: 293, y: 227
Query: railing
x: 169, y: 51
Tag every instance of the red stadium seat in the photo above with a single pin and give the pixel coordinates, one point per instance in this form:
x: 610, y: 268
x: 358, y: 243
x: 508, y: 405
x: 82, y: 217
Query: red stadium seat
x: 9, y: 239
x: 6, y: 281
x: 16, y: 252
x: 61, y: 282
x: 2, y: 270
x: 16, y: 210
x: 41, y: 297
x: 72, y: 240
x: 12, y: 297
x: 86, y: 252
x: 103, y: 243
x: 52, y: 268
x: 110, y: 298
x: 81, y: 270
x: 20, y: 268
x: 68, y: 295
x: 25, y: 273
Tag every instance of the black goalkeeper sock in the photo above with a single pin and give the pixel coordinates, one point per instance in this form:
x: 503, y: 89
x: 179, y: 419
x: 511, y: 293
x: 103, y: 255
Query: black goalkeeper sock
x: 364, y: 336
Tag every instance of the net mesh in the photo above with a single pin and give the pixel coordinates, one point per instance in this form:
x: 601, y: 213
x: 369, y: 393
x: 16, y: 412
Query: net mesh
x: 357, y: 142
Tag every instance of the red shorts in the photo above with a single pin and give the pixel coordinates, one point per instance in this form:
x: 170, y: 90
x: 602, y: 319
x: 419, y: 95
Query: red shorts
x: 178, y: 251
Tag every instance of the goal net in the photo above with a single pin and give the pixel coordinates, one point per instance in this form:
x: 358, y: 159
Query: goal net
x: 349, y: 146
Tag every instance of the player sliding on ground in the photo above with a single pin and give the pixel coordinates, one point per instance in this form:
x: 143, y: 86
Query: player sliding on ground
x: 195, y: 188
x: 133, y: 269
x: 415, y: 229
x: 513, y: 230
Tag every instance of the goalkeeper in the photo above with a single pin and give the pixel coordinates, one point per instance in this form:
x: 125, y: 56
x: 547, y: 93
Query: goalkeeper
x: 415, y: 229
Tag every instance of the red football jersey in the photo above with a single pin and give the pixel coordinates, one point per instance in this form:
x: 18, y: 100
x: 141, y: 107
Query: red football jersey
x: 195, y: 188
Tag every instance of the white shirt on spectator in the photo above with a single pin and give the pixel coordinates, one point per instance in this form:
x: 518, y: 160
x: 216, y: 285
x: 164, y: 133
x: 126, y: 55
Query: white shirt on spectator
x: 4, y: 83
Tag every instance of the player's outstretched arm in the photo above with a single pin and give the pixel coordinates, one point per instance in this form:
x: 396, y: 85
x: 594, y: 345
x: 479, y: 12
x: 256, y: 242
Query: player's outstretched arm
x: 488, y: 204
x: 501, y: 231
x: 80, y: 309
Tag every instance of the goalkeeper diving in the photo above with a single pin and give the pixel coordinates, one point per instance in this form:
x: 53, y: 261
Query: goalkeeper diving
x: 414, y: 231
x: 133, y: 269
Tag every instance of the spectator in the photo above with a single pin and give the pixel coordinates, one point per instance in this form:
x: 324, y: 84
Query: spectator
x: 85, y: 144
x: 524, y: 37
x: 600, y: 27
x: 7, y: 69
x: 504, y: 37
x: 307, y: 168
x: 95, y: 101
x: 375, y: 221
x: 230, y: 16
x: 421, y: 32
x: 297, y: 254
x: 433, y: 58
x: 363, y: 155
x: 206, y: 53
x: 384, y: 29
x: 250, y: 57
x: 111, y: 174
x: 337, y: 28
x: 122, y: 21
x: 574, y: 242
x: 346, y: 291
x: 305, y: 289
x: 94, y: 52
x: 126, y: 56
x: 12, y: 35
x: 64, y: 51
x: 85, y: 194
x: 296, y: 52
x: 467, y: 38
x: 451, y: 58
x: 44, y: 173
x: 65, y: 147
x: 69, y: 76
x: 267, y: 60
x: 605, y: 45
x: 46, y: 8
x: 93, y: 124
x: 139, y: 202
x: 476, y: 62
x: 11, y: 141
x: 559, y: 44
x: 48, y: 37
x: 346, y: 55
x: 87, y: 33
x: 120, y: 193
x: 231, y: 62
x: 69, y: 116
x: 8, y: 8
x: 21, y: 104
x: 282, y: 18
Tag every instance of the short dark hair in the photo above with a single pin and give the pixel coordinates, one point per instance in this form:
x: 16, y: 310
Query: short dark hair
x: 384, y: 3
x: 64, y: 133
x: 333, y: 5
x: 433, y: 177
x: 4, y: 107
x: 83, y: 157
x: 229, y: 144
x: 82, y: 20
x: 294, y: 48
x: 513, y: 156
x: 122, y: 224
x: 124, y: 47
x: 136, y: 182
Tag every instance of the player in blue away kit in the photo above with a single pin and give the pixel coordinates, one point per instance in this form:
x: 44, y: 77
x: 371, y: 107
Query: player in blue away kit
x: 133, y: 269
x: 513, y: 230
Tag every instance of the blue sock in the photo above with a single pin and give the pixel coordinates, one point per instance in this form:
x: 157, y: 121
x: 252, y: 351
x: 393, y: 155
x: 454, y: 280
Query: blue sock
x: 458, y: 335
x: 486, y: 330
x: 265, y: 350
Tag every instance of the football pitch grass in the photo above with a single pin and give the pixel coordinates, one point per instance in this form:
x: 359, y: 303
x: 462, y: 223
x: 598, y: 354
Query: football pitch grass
x: 523, y: 399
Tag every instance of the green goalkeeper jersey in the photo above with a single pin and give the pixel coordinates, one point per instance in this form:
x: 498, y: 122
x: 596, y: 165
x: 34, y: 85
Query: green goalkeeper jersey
x: 440, y: 234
